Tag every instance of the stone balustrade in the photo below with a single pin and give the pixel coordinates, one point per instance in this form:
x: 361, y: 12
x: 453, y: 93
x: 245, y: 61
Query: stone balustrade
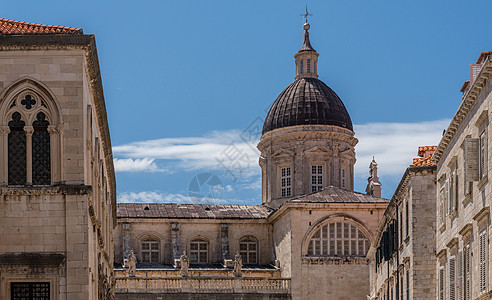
x: 220, y: 285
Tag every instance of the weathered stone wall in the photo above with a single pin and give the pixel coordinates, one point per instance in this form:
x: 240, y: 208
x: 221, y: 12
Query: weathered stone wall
x: 209, y: 230
x: 473, y: 210
x: 202, y: 296
x: 74, y: 217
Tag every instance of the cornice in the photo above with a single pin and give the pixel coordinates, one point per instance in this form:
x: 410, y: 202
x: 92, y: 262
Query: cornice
x: 466, y: 104
x: 46, y: 190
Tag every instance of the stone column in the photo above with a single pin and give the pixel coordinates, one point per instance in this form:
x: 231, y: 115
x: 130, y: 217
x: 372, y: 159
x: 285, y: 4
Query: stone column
x: 29, y: 130
x: 55, y: 153
x: 175, y: 240
x: 126, y: 241
x: 4, y: 154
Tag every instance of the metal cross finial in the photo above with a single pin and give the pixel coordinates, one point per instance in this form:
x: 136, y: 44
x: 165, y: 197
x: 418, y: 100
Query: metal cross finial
x: 306, y: 15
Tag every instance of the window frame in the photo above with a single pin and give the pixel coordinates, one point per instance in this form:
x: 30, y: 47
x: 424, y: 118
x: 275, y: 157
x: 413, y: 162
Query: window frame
x: 285, y: 188
x: 150, y: 241
x: 245, y: 254
x: 317, y: 177
x: 198, y: 251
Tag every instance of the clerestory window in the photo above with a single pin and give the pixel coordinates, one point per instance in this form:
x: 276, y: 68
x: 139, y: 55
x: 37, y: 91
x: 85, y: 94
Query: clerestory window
x: 316, y: 178
x: 286, y: 182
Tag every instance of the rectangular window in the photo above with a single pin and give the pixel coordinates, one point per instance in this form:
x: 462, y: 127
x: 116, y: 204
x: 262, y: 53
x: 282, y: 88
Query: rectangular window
x: 199, y: 252
x: 482, y: 156
x: 286, y: 182
x: 316, y: 178
x: 150, y: 251
x: 482, y: 239
x: 441, y: 283
x: 408, y: 285
x: 452, y: 194
x: 30, y: 290
x: 309, y: 66
x: 401, y: 228
x: 302, y: 66
x: 401, y: 287
x: 452, y: 278
x: 406, y: 217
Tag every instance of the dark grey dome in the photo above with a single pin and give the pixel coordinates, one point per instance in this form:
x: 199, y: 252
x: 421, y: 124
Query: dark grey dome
x: 307, y: 101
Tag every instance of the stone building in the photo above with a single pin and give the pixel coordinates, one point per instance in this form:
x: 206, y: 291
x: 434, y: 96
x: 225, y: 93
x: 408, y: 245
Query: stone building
x: 464, y: 192
x: 403, y: 250
x: 307, y: 240
x: 57, y: 184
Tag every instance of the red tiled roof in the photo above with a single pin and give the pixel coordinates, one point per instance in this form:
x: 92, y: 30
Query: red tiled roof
x: 425, y: 153
x: 333, y: 194
x: 424, y: 149
x: 465, y: 84
x: 10, y: 27
x: 191, y: 211
x: 482, y: 55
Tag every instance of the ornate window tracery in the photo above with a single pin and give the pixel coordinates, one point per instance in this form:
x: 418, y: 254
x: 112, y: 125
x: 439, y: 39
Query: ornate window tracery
x: 30, y: 131
x: 338, y: 239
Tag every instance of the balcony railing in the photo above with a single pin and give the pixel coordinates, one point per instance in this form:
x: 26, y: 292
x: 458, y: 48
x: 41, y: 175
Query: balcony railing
x: 219, y: 285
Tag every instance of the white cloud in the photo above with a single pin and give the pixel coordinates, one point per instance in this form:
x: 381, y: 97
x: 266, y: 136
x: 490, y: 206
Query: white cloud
x: 394, y: 144
x: 218, y: 150
x: 158, y: 197
x: 135, y: 165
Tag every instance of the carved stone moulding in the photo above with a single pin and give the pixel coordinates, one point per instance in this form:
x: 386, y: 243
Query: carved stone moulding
x: 31, y: 263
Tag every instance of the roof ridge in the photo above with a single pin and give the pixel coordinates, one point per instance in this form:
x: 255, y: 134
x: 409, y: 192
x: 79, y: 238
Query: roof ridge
x: 13, y: 27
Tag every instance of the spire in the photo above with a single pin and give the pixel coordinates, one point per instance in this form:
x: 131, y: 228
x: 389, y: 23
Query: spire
x: 306, y: 57
x: 373, y: 185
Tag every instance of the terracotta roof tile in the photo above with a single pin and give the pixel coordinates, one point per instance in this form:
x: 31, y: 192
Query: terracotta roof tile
x: 424, y: 159
x: 482, y: 55
x: 333, y: 194
x: 191, y: 211
x: 465, y: 84
x: 10, y: 27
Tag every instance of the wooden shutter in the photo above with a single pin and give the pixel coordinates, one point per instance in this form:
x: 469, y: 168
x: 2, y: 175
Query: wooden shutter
x: 483, y: 260
x: 452, y: 278
x: 459, y: 272
x: 471, y: 159
x: 441, y: 283
x: 466, y: 272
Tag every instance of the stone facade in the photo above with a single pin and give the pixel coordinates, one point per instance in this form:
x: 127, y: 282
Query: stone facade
x: 402, y: 252
x: 56, y: 219
x: 464, y: 193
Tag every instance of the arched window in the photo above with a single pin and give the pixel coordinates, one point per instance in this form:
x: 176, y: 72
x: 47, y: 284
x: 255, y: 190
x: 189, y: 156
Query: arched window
x: 248, y: 249
x: 199, y: 252
x: 17, y: 151
x: 338, y: 239
x: 41, y: 166
x: 150, y: 251
x: 31, y: 128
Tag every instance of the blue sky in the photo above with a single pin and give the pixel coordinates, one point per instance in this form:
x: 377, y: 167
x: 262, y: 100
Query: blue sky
x: 183, y: 80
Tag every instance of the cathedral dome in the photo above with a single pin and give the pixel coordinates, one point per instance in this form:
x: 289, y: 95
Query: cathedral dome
x: 307, y: 101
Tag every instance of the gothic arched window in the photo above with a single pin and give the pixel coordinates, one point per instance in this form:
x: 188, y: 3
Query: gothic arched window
x: 17, y: 151
x: 31, y: 130
x: 338, y: 239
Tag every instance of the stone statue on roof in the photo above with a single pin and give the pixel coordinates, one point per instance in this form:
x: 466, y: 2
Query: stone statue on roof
x: 238, y: 265
x: 132, y: 264
x: 185, y: 264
